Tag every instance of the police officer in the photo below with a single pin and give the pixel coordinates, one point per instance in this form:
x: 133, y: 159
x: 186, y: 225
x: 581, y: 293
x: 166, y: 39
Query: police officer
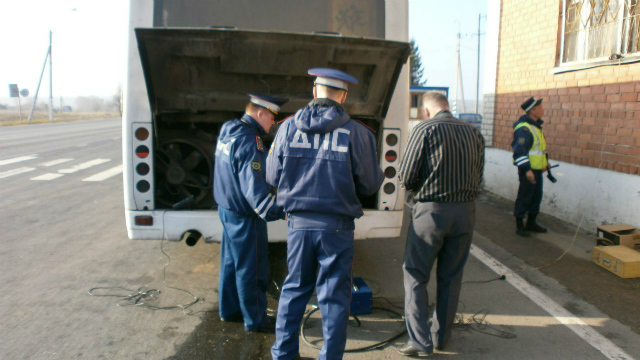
x: 530, y: 155
x: 245, y: 203
x: 320, y: 160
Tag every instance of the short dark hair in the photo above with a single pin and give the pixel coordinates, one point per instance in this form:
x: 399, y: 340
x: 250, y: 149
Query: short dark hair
x: 435, y: 97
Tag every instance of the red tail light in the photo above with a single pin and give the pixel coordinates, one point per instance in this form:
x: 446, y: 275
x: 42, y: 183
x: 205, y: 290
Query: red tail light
x: 144, y: 220
x: 142, y: 151
x: 391, y: 156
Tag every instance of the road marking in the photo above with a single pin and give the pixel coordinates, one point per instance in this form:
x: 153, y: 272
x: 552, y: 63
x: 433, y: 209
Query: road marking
x: 55, y: 162
x: 17, y: 171
x: 105, y: 174
x: 586, y: 332
x: 47, y: 176
x: 18, y: 159
x: 83, y: 166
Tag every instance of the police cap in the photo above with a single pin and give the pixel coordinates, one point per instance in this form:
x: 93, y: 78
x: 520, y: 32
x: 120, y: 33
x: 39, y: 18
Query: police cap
x: 530, y: 103
x: 332, y: 77
x: 270, y: 103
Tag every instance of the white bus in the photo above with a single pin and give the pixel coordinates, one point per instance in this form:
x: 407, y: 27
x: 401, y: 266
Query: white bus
x: 191, y: 64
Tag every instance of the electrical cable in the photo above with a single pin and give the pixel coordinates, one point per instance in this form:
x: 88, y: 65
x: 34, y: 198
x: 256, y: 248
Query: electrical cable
x: 143, y: 294
x: 357, y: 320
x: 481, y: 325
x: 501, y: 277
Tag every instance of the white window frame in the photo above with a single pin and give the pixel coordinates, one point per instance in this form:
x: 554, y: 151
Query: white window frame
x: 583, y: 37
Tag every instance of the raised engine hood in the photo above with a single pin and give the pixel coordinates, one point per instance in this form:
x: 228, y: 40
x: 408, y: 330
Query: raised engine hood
x: 210, y: 70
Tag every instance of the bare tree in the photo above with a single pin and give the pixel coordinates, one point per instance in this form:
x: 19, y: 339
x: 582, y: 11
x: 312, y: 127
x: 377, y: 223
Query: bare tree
x: 117, y: 99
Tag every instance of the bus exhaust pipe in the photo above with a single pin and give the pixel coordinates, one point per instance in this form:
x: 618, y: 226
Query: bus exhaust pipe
x: 191, y: 237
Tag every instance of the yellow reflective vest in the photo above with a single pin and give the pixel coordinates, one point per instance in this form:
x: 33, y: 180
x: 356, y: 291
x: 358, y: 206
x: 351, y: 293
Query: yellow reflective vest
x: 538, y: 151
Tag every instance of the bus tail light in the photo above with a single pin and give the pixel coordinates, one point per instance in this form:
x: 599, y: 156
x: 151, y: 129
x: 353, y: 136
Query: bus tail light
x: 141, y: 166
x: 144, y: 220
x: 142, y: 133
x: 388, y: 197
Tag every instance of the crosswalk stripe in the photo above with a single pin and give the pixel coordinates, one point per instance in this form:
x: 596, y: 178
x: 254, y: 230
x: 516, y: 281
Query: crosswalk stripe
x: 55, y: 162
x: 105, y: 174
x: 18, y: 159
x: 47, y: 176
x: 17, y: 171
x: 83, y: 166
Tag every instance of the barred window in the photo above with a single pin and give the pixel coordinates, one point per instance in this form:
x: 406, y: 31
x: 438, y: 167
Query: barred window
x: 595, y: 30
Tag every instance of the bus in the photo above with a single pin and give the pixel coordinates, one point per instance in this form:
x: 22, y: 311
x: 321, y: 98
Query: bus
x: 190, y: 66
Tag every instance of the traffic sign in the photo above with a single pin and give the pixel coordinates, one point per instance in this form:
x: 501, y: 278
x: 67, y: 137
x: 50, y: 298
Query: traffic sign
x: 13, y: 90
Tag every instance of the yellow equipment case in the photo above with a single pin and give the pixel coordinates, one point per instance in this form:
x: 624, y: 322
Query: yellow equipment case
x: 620, y: 260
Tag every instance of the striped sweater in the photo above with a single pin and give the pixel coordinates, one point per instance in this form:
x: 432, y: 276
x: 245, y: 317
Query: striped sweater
x: 444, y: 160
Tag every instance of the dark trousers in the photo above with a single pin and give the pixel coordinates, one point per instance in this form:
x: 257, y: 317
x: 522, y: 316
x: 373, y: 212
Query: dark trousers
x: 244, y: 268
x: 319, y: 255
x: 442, y: 232
x: 529, y: 195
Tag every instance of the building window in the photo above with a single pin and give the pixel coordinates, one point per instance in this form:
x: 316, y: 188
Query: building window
x: 414, y: 100
x: 596, y: 30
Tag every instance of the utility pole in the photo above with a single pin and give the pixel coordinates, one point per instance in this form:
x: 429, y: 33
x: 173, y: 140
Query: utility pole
x: 50, y: 78
x: 458, y: 79
x: 35, y: 97
x: 478, y: 70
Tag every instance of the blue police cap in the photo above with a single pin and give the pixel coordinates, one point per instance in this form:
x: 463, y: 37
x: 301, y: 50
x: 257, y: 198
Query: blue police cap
x: 332, y: 77
x: 270, y: 103
x: 530, y: 103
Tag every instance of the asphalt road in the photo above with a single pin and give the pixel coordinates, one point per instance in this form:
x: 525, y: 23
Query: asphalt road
x: 63, y: 233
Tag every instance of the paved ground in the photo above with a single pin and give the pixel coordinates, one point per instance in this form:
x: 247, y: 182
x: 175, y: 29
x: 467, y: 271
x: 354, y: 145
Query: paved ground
x: 63, y: 236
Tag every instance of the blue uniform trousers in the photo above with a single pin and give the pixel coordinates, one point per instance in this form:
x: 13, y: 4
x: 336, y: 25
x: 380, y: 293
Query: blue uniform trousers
x: 244, y: 268
x: 529, y: 195
x: 319, y: 243
x: 442, y: 232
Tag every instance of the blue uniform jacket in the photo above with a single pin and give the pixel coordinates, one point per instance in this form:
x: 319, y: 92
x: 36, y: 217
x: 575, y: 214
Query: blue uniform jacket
x: 523, y: 141
x: 321, y: 159
x: 239, y: 183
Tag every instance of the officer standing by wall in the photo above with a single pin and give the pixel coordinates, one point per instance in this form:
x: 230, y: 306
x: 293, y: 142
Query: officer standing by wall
x: 245, y: 203
x: 320, y: 160
x: 530, y: 155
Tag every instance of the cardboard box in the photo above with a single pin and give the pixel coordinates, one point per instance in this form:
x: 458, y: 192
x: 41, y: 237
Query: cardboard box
x: 620, y: 260
x: 620, y: 234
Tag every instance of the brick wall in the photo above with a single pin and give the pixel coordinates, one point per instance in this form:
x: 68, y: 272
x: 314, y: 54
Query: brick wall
x: 592, y: 116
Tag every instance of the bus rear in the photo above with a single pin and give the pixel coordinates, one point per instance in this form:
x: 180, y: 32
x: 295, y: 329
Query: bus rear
x: 188, y: 72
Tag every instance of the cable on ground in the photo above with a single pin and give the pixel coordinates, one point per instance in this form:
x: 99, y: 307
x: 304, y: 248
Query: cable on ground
x: 143, y: 295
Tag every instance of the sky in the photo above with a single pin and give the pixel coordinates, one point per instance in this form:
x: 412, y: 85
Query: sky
x: 88, y: 35
x: 434, y: 25
x: 89, y: 44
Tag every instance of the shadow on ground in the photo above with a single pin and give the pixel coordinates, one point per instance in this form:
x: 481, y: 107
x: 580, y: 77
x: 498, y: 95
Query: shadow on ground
x: 214, y: 339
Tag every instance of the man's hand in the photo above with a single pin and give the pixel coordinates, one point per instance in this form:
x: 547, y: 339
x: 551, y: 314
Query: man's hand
x: 531, y: 177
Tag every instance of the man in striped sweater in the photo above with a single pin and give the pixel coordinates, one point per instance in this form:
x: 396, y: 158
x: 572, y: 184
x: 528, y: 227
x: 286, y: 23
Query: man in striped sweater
x: 442, y: 169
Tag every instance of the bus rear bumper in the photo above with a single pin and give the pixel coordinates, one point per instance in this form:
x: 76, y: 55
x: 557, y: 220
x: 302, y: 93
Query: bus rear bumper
x: 172, y: 225
x: 376, y: 224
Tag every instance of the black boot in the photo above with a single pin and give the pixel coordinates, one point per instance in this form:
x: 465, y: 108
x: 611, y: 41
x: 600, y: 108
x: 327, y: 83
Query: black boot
x: 520, y: 228
x: 533, y: 226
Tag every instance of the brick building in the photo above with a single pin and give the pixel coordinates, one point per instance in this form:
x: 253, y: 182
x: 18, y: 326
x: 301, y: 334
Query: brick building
x: 583, y: 58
